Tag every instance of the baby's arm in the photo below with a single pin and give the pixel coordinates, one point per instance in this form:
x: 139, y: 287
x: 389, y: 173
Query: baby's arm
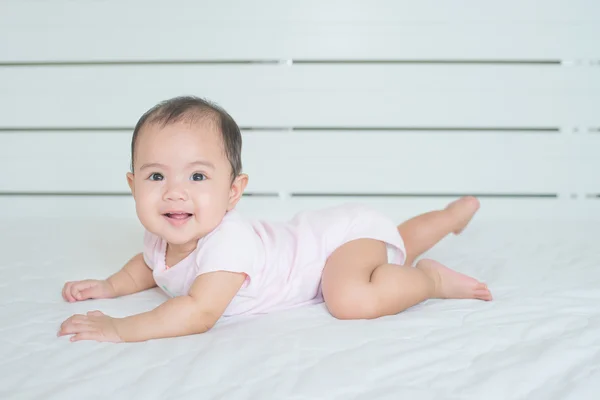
x: 134, y: 277
x: 194, y: 313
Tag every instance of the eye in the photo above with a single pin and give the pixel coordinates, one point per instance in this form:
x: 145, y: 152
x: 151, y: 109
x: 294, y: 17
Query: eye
x: 156, y: 177
x: 198, y: 177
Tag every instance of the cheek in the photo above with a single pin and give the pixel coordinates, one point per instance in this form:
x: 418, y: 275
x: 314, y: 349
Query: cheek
x: 143, y: 209
x: 215, y: 197
x: 214, y: 192
x: 206, y: 199
x: 146, y: 199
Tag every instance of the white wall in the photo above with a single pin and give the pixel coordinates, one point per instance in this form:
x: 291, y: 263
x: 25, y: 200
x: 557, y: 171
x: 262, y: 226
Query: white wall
x: 401, y: 104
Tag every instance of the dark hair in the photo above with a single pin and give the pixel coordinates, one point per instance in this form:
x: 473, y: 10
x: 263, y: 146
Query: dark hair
x: 193, y: 109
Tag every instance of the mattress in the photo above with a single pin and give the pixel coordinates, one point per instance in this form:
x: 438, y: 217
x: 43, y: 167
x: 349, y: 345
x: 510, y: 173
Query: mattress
x: 538, y: 339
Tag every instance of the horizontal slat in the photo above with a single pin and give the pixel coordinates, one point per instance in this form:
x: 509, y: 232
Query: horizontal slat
x: 308, y: 95
x: 275, y: 29
x: 19, y: 207
x: 367, y: 162
x: 327, y: 162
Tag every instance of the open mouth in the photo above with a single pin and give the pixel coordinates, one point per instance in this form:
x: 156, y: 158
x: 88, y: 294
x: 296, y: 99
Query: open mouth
x: 178, y: 216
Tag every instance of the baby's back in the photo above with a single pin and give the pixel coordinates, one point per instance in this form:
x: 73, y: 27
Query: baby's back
x: 292, y: 264
x: 296, y: 252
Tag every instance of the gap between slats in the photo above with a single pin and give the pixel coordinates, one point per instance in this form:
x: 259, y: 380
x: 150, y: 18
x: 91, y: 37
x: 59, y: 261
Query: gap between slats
x: 309, y: 129
x: 313, y: 195
x: 284, y: 62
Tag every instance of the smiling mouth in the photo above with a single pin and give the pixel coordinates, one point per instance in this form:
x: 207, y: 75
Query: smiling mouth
x: 178, y: 216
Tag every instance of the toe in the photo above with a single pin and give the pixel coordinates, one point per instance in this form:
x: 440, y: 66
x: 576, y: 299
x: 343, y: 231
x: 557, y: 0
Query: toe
x: 486, y: 296
x: 473, y: 201
x: 483, y: 294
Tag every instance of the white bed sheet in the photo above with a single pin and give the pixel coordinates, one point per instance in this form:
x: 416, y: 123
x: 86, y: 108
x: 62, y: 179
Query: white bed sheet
x: 538, y: 339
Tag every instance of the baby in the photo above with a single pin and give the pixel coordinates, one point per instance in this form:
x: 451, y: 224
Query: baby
x: 186, y: 178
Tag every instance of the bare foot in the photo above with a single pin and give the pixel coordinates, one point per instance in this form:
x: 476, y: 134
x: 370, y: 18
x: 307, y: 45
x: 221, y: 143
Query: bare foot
x: 463, y: 209
x: 450, y: 284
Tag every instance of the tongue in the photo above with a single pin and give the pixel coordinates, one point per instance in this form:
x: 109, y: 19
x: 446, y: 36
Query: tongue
x: 178, y: 216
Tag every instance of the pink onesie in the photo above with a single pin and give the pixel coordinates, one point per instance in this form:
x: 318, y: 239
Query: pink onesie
x: 283, y: 261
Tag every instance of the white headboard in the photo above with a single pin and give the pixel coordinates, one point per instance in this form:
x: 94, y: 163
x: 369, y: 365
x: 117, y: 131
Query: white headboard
x: 400, y: 104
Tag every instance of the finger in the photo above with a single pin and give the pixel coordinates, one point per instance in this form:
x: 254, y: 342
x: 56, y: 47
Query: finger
x: 89, y: 293
x: 74, y: 318
x: 68, y: 295
x: 71, y: 329
x: 79, y: 318
x: 77, y: 289
x: 83, y: 294
x: 64, y: 291
x: 77, y: 295
x: 95, y: 313
x: 94, y: 335
x: 73, y: 291
x: 66, y: 324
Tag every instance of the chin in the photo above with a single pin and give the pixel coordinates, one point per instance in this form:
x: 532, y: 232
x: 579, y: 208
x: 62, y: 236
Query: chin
x: 179, y: 239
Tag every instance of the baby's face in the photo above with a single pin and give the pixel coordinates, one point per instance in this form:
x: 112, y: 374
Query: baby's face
x: 182, y: 181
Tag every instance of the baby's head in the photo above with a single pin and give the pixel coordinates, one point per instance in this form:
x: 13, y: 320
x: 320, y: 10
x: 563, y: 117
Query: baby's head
x: 185, y: 168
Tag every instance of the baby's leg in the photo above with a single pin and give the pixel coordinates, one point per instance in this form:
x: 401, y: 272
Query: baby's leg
x: 423, y: 231
x: 359, y: 284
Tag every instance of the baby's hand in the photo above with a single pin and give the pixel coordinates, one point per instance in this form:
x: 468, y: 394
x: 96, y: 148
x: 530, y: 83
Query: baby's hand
x: 92, y: 326
x: 87, y: 289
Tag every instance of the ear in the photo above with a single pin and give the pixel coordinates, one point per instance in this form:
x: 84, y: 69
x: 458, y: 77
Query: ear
x: 237, y: 189
x: 130, y: 183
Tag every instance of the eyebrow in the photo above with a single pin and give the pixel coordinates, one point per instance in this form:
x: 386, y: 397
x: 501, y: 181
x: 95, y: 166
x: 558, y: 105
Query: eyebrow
x: 192, y: 164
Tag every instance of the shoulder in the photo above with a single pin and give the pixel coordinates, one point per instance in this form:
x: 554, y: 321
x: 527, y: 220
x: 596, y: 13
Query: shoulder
x: 234, y: 227
x: 233, y: 246
x: 232, y: 239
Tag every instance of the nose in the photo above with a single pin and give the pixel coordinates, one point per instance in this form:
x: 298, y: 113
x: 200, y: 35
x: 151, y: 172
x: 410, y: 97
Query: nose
x: 175, y: 191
